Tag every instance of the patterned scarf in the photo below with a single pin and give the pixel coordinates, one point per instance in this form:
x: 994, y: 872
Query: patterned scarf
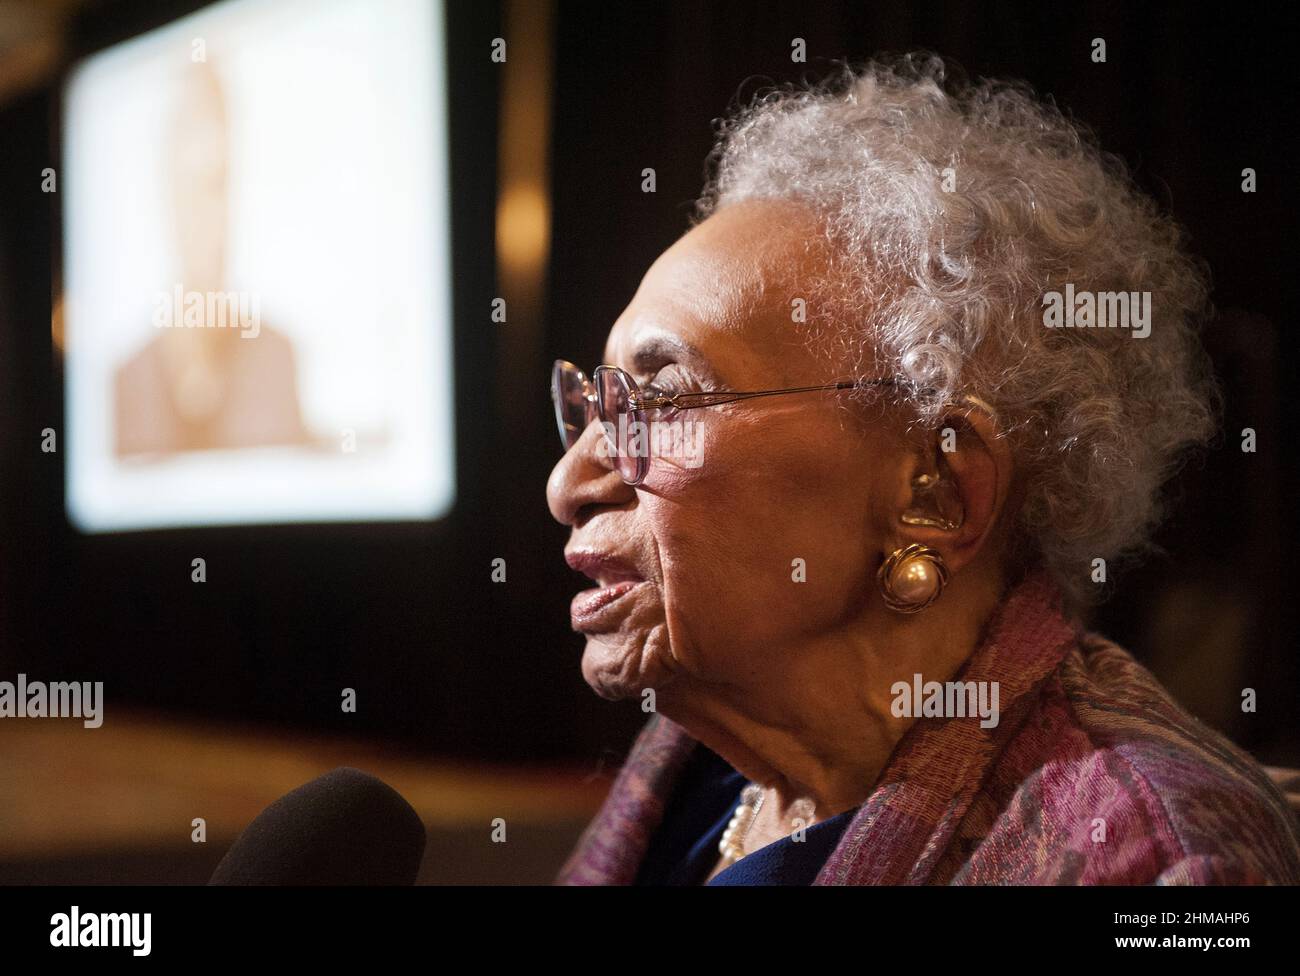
x: 918, y: 825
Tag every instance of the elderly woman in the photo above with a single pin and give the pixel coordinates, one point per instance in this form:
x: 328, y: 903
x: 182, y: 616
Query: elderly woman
x: 865, y: 440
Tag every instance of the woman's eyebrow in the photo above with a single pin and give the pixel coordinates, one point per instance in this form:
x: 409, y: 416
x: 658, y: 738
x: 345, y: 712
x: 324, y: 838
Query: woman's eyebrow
x: 657, y: 349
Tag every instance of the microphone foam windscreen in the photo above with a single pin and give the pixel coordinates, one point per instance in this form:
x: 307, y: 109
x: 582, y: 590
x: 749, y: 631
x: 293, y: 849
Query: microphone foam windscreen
x: 343, y: 828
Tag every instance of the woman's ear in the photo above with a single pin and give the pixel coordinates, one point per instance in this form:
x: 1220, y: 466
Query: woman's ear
x: 959, y: 486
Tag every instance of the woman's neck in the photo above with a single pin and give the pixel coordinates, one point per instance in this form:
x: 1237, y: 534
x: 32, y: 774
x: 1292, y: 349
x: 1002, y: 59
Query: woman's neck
x: 823, y: 729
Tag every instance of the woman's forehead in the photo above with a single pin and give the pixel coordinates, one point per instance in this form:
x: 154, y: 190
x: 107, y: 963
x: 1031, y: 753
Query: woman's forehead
x: 730, y: 282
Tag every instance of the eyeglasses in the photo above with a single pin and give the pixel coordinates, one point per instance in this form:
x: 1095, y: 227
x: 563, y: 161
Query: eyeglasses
x: 611, y: 393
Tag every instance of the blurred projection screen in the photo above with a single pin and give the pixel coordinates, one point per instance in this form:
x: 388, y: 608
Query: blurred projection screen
x: 257, y: 293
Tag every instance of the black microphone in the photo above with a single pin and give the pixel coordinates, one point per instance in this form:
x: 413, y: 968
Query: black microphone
x: 343, y: 828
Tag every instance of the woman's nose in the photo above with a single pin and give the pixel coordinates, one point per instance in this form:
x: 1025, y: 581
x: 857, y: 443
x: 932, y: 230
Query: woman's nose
x: 585, y: 477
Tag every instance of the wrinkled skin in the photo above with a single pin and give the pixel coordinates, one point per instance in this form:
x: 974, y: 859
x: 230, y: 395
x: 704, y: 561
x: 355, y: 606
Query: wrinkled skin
x: 787, y: 680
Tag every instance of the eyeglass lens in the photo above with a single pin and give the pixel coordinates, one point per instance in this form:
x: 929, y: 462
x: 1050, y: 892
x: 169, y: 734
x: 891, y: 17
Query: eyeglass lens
x: 614, y: 396
x: 572, y: 392
x: 573, y: 410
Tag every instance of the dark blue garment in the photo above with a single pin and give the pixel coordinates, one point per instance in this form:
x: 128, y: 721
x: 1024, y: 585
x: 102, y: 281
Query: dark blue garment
x: 685, y: 847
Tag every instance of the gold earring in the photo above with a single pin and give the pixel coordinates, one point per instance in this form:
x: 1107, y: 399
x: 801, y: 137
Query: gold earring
x: 912, y: 578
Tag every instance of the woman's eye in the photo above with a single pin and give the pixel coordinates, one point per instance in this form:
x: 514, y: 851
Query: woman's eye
x: 652, y: 392
x: 666, y: 382
x: 658, y: 389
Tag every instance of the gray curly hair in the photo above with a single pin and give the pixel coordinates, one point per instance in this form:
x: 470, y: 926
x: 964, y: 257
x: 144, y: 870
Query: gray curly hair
x: 945, y: 284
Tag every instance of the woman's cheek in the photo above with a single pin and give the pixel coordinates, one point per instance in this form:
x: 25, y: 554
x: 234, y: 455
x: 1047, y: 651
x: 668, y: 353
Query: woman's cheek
x: 711, y: 450
x: 714, y: 607
x: 686, y: 460
x: 693, y: 570
x: 728, y: 532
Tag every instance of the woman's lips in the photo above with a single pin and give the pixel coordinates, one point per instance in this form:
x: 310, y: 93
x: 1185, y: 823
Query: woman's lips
x: 598, y: 608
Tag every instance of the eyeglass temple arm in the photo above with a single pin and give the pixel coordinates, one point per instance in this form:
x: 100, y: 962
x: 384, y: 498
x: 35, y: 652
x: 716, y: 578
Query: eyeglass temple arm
x: 689, y: 401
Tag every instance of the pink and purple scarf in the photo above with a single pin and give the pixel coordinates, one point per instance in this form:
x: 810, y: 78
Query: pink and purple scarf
x: 1093, y: 775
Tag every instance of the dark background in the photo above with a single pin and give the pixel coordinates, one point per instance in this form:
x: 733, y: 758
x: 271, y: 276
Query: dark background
x: 447, y: 661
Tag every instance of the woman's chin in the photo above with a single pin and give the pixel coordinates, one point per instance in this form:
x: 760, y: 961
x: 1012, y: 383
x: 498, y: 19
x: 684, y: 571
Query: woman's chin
x: 618, y: 668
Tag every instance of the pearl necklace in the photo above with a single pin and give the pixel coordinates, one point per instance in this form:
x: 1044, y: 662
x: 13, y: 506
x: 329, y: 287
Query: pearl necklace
x: 732, y: 845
